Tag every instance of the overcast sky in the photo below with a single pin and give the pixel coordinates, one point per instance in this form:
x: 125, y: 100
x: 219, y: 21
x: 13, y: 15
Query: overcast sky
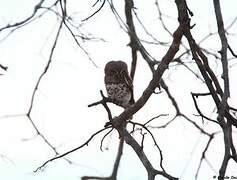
x: 60, y: 108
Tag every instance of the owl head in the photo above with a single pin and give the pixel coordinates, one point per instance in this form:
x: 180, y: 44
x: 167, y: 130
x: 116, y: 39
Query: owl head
x: 114, y: 68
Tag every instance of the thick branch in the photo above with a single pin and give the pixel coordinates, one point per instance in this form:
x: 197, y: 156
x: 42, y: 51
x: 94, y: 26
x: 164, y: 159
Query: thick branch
x: 223, y: 52
x: 210, y: 77
x: 116, y: 165
x: 118, y: 158
x: 225, y: 75
x: 119, y: 122
x: 150, y: 169
x: 227, y: 130
x: 132, y: 34
x: 154, y: 140
x: 156, y: 76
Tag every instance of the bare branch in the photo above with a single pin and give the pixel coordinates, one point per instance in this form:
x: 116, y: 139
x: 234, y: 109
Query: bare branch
x: 3, y: 67
x: 195, y: 124
x: 227, y: 131
x: 118, y: 158
x: 116, y: 164
x: 129, y: 5
x: 178, y: 60
x: 46, y: 68
x: 204, y: 154
x: 104, y: 103
x: 102, y: 5
x: 96, y: 178
x: 156, y: 41
x: 154, y: 140
x: 20, y: 23
x: 155, y: 118
x: 164, y: 125
x: 141, y: 155
x: 170, y: 96
x: 232, y: 52
x: 37, y: 87
x: 156, y: 77
x: 120, y: 121
x: 102, y: 140
x: 163, y: 22
x: 232, y: 23
x: 210, y: 77
x: 197, y: 107
x: 71, y: 151
x: 12, y: 116
x: 223, y: 52
x: 226, y: 115
x: 42, y: 136
x: 65, y: 19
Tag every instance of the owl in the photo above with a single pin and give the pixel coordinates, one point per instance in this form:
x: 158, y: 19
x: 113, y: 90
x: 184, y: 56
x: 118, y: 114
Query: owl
x: 118, y: 83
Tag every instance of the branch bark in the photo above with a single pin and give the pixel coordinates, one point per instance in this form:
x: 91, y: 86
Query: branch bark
x: 224, y: 118
x: 129, y: 5
x: 156, y: 76
x: 146, y: 163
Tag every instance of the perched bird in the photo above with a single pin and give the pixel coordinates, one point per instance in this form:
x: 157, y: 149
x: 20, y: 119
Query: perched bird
x: 118, y: 83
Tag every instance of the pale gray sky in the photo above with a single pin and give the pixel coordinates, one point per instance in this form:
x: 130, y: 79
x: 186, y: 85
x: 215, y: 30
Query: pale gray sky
x: 72, y: 82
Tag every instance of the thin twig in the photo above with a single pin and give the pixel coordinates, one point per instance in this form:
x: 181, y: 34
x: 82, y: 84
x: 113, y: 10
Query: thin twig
x: 204, y: 154
x: 102, y: 5
x: 102, y: 140
x: 3, y: 67
x: 71, y: 151
x: 154, y: 140
x: 37, y: 87
x: 160, y: 115
x: 198, y: 109
x: 232, y: 52
x: 36, y: 8
x: 143, y: 158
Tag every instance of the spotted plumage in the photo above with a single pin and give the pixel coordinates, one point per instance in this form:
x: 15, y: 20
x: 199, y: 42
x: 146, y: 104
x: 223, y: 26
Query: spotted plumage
x: 118, y: 83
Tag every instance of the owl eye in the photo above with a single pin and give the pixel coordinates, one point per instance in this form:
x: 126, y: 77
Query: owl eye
x: 114, y: 72
x: 123, y: 72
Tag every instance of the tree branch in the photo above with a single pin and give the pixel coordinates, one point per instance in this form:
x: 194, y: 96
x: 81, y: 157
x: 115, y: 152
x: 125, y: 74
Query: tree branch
x: 3, y: 67
x: 204, y: 154
x: 198, y: 109
x: 101, y: 6
x: 232, y: 51
x: 223, y: 52
x: 156, y: 76
x: 209, y: 77
x: 71, y: 151
x: 129, y: 5
x: 154, y: 140
x: 28, y: 114
x: 146, y: 163
x: 36, y: 8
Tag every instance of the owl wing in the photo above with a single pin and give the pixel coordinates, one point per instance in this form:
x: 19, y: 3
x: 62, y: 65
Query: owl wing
x: 125, y: 78
x: 129, y: 84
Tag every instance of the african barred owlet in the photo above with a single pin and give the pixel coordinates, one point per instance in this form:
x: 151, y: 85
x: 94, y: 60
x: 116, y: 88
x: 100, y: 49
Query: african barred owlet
x: 118, y: 83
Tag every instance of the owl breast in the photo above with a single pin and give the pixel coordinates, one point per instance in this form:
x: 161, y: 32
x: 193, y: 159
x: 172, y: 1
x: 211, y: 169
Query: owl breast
x: 119, y: 93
